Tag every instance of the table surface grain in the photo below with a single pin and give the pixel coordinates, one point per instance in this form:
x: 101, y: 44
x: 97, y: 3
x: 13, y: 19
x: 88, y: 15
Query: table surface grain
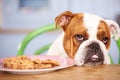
x: 101, y: 72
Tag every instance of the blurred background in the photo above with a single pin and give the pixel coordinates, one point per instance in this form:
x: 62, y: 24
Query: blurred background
x: 19, y: 17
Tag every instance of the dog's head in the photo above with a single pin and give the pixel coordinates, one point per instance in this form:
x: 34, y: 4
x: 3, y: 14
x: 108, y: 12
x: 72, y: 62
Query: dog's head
x: 87, y: 37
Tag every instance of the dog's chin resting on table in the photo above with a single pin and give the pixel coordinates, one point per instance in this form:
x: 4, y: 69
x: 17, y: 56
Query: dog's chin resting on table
x: 85, y: 38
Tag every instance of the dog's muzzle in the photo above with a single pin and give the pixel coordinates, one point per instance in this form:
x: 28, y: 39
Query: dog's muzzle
x: 93, y: 55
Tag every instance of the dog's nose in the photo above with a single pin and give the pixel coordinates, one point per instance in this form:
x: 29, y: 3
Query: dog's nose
x: 94, y: 46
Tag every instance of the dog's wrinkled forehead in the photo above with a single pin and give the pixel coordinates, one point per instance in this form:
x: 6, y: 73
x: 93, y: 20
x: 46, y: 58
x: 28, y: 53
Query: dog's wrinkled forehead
x: 91, y: 21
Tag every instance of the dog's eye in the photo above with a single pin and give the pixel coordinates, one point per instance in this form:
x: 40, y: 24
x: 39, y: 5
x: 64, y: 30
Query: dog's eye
x: 79, y: 37
x: 105, y: 40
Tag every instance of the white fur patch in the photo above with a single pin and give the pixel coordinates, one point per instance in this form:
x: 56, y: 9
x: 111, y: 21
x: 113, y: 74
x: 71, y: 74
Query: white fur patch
x: 91, y: 22
x: 57, y: 47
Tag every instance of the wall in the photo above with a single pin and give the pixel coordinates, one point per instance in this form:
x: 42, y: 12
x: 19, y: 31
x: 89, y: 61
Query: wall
x: 14, y: 19
x: 1, y: 16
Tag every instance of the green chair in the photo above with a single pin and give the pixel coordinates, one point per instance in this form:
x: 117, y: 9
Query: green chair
x: 118, y: 44
x: 40, y: 31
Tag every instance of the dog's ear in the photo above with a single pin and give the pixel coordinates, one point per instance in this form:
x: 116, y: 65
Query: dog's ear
x: 63, y: 19
x: 114, y: 29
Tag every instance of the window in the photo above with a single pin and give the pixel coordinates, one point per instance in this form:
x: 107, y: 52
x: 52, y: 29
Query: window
x: 34, y: 5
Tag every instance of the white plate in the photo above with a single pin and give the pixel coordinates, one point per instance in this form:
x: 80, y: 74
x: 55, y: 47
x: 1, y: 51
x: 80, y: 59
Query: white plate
x: 64, y: 63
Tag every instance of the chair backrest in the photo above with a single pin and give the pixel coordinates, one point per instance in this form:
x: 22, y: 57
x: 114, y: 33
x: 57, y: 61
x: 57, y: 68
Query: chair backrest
x: 44, y: 29
x: 118, y: 44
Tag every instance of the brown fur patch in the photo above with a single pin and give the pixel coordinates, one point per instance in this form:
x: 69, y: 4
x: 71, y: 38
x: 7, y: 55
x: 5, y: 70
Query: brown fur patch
x: 103, y: 31
x: 75, y: 27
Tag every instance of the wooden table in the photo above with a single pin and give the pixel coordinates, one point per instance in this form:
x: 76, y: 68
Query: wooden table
x: 101, y: 72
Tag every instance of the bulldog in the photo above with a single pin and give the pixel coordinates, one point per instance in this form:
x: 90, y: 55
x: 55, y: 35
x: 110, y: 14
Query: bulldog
x: 86, y: 38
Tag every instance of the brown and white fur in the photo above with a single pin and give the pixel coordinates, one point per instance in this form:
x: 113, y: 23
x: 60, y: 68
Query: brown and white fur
x: 86, y: 38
